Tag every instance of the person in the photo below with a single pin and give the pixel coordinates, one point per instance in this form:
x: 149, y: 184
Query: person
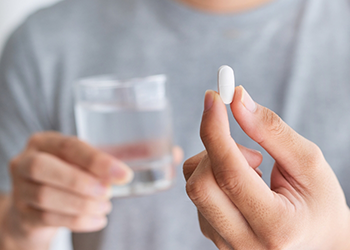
x: 291, y: 55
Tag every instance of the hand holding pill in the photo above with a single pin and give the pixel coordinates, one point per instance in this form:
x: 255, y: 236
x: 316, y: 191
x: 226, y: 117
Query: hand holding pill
x: 304, y: 207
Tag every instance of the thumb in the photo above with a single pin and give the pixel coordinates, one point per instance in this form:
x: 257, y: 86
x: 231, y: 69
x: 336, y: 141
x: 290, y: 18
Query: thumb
x: 292, y: 152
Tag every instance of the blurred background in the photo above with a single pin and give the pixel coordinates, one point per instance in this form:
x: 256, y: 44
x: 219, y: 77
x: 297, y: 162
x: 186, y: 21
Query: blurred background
x: 12, y: 14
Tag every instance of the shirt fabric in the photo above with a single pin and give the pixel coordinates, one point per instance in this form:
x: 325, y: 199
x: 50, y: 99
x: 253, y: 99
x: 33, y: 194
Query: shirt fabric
x: 293, y: 56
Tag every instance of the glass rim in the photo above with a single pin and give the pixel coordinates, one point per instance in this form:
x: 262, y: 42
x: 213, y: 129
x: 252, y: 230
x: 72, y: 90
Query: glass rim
x: 111, y: 81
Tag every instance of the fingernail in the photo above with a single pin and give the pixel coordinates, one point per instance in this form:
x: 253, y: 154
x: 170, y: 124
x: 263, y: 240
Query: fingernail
x: 248, y: 101
x: 255, y: 151
x: 121, y: 173
x: 208, y: 100
x: 259, y: 172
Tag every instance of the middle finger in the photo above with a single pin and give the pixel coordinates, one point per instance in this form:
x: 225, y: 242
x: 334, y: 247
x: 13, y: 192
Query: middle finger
x: 55, y: 200
x: 47, y: 169
x: 253, y: 157
x: 218, y: 209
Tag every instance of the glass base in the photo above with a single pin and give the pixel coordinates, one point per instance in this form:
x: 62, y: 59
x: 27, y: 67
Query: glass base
x: 152, y: 177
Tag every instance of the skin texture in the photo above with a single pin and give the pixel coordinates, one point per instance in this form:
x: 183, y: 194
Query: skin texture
x: 305, y: 207
x: 58, y: 181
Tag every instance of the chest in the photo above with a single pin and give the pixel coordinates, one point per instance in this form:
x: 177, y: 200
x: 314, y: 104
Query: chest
x: 299, y: 69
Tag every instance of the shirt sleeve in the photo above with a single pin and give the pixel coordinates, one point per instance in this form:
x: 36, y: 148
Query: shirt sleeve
x: 21, y: 109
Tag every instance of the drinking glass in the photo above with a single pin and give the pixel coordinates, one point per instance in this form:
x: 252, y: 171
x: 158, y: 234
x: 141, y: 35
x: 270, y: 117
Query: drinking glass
x: 131, y: 120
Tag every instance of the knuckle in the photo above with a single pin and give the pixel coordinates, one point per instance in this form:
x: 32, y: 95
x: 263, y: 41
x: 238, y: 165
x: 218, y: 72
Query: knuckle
x: 228, y: 182
x: 274, y: 123
x: 220, y: 244
x: 188, y: 167
x: 74, y: 183
x: 19, y: 204
x: 41, y: 196
x: 45, y: 217
x: 34, y: 140
x: 99, y: 159
x: 189, y: 164
x: 207, y: 135
x: 204, y: 232
x: 206, y: 132
x: 79, y: 182
x: 197, y: 191
x: 314, y: 156
x: 37, y: 159
x: 68, y: 144
x: 203, y: 225
x: 13, y: 164
x: 35, y: 165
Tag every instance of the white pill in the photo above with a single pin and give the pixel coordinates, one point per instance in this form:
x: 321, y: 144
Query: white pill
x: 226, y: 83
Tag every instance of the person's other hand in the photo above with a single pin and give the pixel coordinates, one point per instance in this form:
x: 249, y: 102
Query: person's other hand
x: 59, y: 181
x: 305, y: 207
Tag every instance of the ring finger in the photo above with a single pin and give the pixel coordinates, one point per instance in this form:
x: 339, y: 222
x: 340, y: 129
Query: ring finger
x: 218, y: 209
x: 52, y: 199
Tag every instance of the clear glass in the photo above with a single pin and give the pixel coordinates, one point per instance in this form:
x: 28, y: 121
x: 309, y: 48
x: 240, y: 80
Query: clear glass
x: 130, y: 120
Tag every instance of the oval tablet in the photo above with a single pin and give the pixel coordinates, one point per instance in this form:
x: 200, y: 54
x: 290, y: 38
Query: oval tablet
x: 226, y: 83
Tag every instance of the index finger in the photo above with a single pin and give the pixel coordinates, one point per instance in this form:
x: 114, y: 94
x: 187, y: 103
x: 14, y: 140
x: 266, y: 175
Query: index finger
x: 231, y: 170
x: 191, y: 164
x: 79, y: 153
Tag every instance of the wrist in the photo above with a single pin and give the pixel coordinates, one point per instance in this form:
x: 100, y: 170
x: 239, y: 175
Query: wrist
x: 15, y: 235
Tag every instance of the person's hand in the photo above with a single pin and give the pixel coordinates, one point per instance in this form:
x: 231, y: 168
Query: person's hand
x: 59, y: 181
x: 305, y: 207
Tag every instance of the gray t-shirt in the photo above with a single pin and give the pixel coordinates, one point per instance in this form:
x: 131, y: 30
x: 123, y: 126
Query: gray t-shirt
x: 292, y: 56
